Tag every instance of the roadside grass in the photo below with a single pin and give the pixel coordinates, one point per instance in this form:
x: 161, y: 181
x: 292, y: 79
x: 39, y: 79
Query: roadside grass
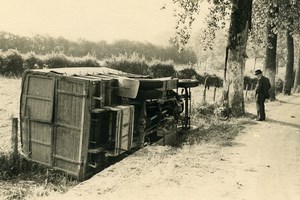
x: 213, y: 128
x: 23, y: 179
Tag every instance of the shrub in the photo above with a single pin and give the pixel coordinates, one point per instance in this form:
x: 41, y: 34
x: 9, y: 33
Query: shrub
x: 56, y: 60
x: 162, y: 68
x: 11, y: 63
x: 212, y: 80
x: 86, y: 61
x: 188, y: 73
x: 32, y: 61
x: 249, y: 83
x: 129, y: 63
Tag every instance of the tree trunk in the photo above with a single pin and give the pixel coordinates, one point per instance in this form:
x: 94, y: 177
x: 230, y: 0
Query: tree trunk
x: 289, y: 73
x: 297, y: 76
x: 254, y: 66
x: 236, y: 56
x: 270, y: 61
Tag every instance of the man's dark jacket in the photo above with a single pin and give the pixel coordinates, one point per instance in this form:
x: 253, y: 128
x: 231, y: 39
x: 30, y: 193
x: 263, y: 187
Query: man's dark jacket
x: 262, y: 88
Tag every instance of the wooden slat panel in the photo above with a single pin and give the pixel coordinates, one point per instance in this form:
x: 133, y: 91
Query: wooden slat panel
x: 39, y: 97
x: 41, y: 132
x: 36, y: 117
x: 70, y: 121
x: 40, y: 109
x: 40, y: 86
x: 41, y: 153
x: 124, y: 128
x: 69, y: 109
x: 69, y: 167
x: 71, y: 85
x: 40, y: 140
x: 67, y: 143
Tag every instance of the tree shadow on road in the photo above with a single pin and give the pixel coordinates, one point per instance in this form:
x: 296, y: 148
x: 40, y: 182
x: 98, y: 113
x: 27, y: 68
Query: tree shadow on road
x: 286, y: 102
x: 284, y: 123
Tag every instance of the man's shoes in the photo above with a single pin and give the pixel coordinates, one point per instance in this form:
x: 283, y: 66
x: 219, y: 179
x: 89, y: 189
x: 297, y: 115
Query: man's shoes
x: 258, y: 119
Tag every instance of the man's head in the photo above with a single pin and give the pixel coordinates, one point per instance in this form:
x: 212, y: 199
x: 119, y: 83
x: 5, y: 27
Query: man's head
x: 258, y: 73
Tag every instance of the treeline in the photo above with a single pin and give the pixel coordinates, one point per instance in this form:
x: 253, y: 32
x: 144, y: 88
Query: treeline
x: 42, y: 45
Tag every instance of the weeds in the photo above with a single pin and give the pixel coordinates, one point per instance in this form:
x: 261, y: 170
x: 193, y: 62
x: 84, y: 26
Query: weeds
x: 212, y: 127
x: 25, y: 179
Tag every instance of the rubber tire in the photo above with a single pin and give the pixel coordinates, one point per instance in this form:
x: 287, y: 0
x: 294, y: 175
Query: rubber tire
x: 187, y: 83
x: 149, y: 84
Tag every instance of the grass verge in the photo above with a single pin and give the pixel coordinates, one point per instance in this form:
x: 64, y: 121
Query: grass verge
x: 23, y: 179
x: 213, y: 128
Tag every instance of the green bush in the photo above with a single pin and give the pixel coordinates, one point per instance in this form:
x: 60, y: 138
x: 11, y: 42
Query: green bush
x: 56, y: 60
x: 32, y: 61
x: 249, y: 83
x: 86, y: 61
x: 212, y: 80
x: 11, y: 63
x: 188, y: 73
x: 129, y: 63
x: 162, y: 68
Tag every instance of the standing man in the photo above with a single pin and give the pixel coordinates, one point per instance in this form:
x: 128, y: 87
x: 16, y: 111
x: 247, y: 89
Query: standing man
x: 261, y: 94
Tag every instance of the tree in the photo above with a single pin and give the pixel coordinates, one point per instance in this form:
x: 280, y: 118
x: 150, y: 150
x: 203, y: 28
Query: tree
x: 289, y: 73
x: 291, y: 16
x: 271, y: 47
x: 240, y: 23
x: 297, y: 76
x: 278, y: 16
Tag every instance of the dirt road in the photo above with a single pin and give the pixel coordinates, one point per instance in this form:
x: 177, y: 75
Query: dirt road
x: 262, y: 163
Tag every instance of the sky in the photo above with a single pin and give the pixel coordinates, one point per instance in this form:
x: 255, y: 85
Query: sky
x: 95, y: 20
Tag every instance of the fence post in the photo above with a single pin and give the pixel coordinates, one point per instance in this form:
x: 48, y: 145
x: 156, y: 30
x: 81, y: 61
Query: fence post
x: 14, y: 136
x: 246, y: 90
x: 204, y: 94
x: 215, y: 90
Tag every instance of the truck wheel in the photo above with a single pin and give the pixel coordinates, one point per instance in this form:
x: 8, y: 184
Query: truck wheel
x: 185, y: 83
x: 148, y: 84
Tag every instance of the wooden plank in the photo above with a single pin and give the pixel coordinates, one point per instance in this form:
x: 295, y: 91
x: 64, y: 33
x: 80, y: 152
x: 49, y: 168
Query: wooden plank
x: 71, y: 93
x: 68, y: 126
x: 41, y: 143
x: 66, y: 159
x: 39, y: 98
x: 98, y: 98
x: 99, y: 110
x: 82, y: 132
x: 96, y: 150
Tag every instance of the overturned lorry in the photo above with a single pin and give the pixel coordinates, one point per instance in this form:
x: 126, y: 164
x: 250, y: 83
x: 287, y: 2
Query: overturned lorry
x: 73, y: 117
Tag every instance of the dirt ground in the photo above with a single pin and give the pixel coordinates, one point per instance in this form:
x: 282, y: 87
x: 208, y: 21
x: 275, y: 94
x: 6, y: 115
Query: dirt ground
x: 263, y: 162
